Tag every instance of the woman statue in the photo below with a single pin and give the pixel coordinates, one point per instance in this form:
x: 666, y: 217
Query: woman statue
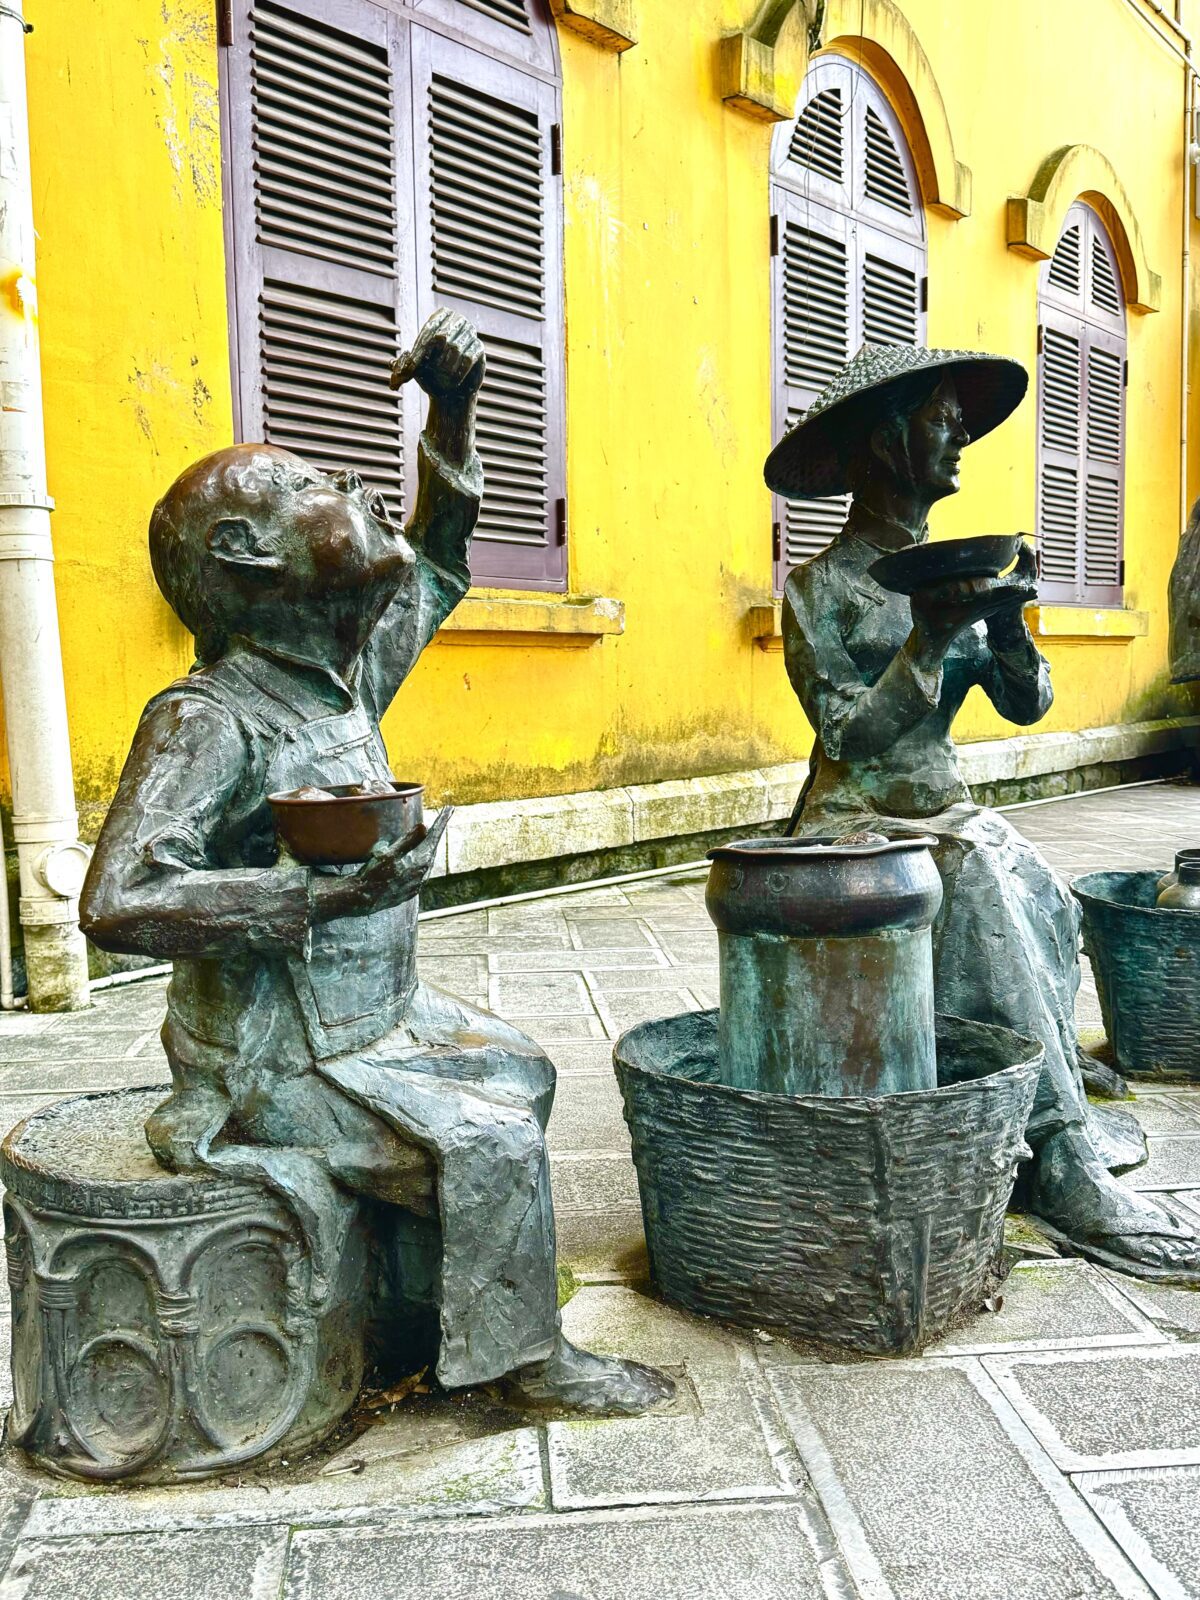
x: 881, y: 679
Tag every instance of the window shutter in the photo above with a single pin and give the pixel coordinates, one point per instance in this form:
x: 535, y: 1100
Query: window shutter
x: 1105, y: 294
x: 1104, y: 387
x: 487, y: 209
x: 1059, y: 500
x: 849, y: 267
x: 814, y: 316
x: 521, y: 30
x: 891, y: 290
x: 819, y: 142
x: 316, y: 222
x: 884, y: 177
x: 1081, y: 418
x: 512, y: 13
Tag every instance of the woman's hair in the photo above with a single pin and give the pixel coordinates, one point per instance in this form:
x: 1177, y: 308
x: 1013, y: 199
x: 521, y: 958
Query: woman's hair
x: 889, y: 416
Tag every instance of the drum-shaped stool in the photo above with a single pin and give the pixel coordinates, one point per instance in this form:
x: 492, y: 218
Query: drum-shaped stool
x: 163, y: 1324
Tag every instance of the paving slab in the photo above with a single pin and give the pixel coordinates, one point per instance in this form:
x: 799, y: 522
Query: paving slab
x: 1152, y: 1516
x: 1174, y: 1163
x: 410, y: 1466
x: 936, y: 1492
x: 84, y: 1072
x: 760, y: 1553
x: 619, y: 1012
x: 588, y: 1114
x: 689, y: 948
x: 1051, y: 1305
x: 581, y: 1055
x: 603, y: 1246
x: 1165, y: 1305
x: 609, y: 933
x: 594, y: 1183
x: 234, y: 1564
x: 617, y: 1320
x: 1091, y: 1409
x: 517, y: 961
x: 554, y: 993
x: 730, y: 1450
x: 1164, y: 1113
x: 622, y: 980
x: 559, y: 1030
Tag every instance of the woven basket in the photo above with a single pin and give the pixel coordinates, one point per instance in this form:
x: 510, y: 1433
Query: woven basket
x: 866, y: 1223
x: 1147, y: 966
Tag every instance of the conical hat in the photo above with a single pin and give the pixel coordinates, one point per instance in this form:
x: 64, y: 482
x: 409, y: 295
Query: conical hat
x: 810, y: 461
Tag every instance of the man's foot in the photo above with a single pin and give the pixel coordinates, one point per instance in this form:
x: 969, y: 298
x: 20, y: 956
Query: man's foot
x: 175, y: 1128
x: 1085, y: 1207
x: 600, y: 1386
x: 1100, y: 1079
x: 1117, y: 1138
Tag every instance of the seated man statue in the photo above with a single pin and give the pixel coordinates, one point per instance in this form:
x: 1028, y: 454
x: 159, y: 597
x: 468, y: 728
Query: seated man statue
x: 881, y: 679
x: 305, y: 1052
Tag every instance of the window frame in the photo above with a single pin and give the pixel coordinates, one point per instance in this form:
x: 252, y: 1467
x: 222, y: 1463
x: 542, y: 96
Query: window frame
x: 804, y: 198
x: 1075, y: 315
x: 408, y: 27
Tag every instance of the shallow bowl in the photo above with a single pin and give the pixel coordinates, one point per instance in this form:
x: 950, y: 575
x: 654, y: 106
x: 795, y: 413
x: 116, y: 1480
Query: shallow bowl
x: 922, y: 565
x: 343, y: 829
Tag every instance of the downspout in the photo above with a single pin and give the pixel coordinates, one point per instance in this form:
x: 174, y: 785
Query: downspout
x: 45, y: 824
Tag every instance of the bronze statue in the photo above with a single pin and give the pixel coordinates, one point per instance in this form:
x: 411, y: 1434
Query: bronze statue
x: 305, y: 1052
x: 881, y: 678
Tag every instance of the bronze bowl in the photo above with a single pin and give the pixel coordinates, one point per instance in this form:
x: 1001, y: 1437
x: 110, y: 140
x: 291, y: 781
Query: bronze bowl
x: 340, y: 829
x: 946, y: 561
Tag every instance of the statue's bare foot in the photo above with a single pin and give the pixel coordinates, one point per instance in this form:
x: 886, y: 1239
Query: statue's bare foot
x: 602, y: 1386
x: 1100, y: 1079
x: 1085, y: 1207
x: 174, y: 1128
x: 1117, y: 1138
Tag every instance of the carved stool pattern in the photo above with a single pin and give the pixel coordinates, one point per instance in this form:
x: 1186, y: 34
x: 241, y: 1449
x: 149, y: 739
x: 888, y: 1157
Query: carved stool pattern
x: 163, y: 1326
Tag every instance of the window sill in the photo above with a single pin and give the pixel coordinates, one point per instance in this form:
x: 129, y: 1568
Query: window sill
x: 764, y: 625
x: 612, y: 24
x: 1111, y: 623
x: 570, y: 621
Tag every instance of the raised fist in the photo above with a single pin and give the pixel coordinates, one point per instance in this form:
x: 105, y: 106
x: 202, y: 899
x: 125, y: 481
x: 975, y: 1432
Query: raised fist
x: 447, y: 359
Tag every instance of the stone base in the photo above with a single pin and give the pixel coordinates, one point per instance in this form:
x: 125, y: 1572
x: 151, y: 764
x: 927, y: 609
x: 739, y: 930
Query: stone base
x: 163, y: 1326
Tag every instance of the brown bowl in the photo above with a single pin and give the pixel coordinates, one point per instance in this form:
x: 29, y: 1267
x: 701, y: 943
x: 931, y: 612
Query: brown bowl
x: 344, y: 828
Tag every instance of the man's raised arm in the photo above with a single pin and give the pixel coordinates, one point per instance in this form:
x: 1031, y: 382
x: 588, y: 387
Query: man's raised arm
x: 447, y: 361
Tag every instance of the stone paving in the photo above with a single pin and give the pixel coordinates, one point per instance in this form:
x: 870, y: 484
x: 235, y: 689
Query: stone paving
x: 1050, y: 1448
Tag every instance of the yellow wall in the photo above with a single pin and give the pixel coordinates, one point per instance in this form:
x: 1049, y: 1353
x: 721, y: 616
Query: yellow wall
x: 667, y: 277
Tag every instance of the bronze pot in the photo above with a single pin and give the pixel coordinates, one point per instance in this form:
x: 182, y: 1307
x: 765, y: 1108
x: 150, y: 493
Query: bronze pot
x: 826, y: 964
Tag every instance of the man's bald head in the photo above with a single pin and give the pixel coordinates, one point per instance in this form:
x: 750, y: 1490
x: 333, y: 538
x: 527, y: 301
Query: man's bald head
x: 248, y: 483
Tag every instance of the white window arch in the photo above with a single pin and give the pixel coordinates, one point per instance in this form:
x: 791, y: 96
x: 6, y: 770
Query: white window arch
x: 848, y: 260
x: 1082, y: 375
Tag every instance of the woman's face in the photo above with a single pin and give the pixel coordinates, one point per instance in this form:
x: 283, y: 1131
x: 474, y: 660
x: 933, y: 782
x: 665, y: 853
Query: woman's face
x: 936, y: 438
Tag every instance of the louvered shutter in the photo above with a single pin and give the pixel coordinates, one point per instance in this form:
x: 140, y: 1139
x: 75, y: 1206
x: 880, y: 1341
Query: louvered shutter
x: 490, y: 245
x: 849, y: 263
x: 317, y: 162
x: 523, y: 29
x: 1081, y: 418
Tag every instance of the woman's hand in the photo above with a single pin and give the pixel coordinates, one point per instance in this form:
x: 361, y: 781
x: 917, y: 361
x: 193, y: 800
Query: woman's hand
x: 1006, y: 627
x: 942, y: 611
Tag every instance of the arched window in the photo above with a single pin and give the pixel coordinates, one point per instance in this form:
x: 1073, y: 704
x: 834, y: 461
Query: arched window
x: 1082, y: 374
x: 384, y: 157
x: 848, y: 248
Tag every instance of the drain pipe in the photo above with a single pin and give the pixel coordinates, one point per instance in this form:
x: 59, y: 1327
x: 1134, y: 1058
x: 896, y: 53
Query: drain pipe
x: 45, y: 824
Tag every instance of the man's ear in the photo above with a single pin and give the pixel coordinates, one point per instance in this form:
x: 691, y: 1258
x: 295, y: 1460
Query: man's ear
x: 239, y: 544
